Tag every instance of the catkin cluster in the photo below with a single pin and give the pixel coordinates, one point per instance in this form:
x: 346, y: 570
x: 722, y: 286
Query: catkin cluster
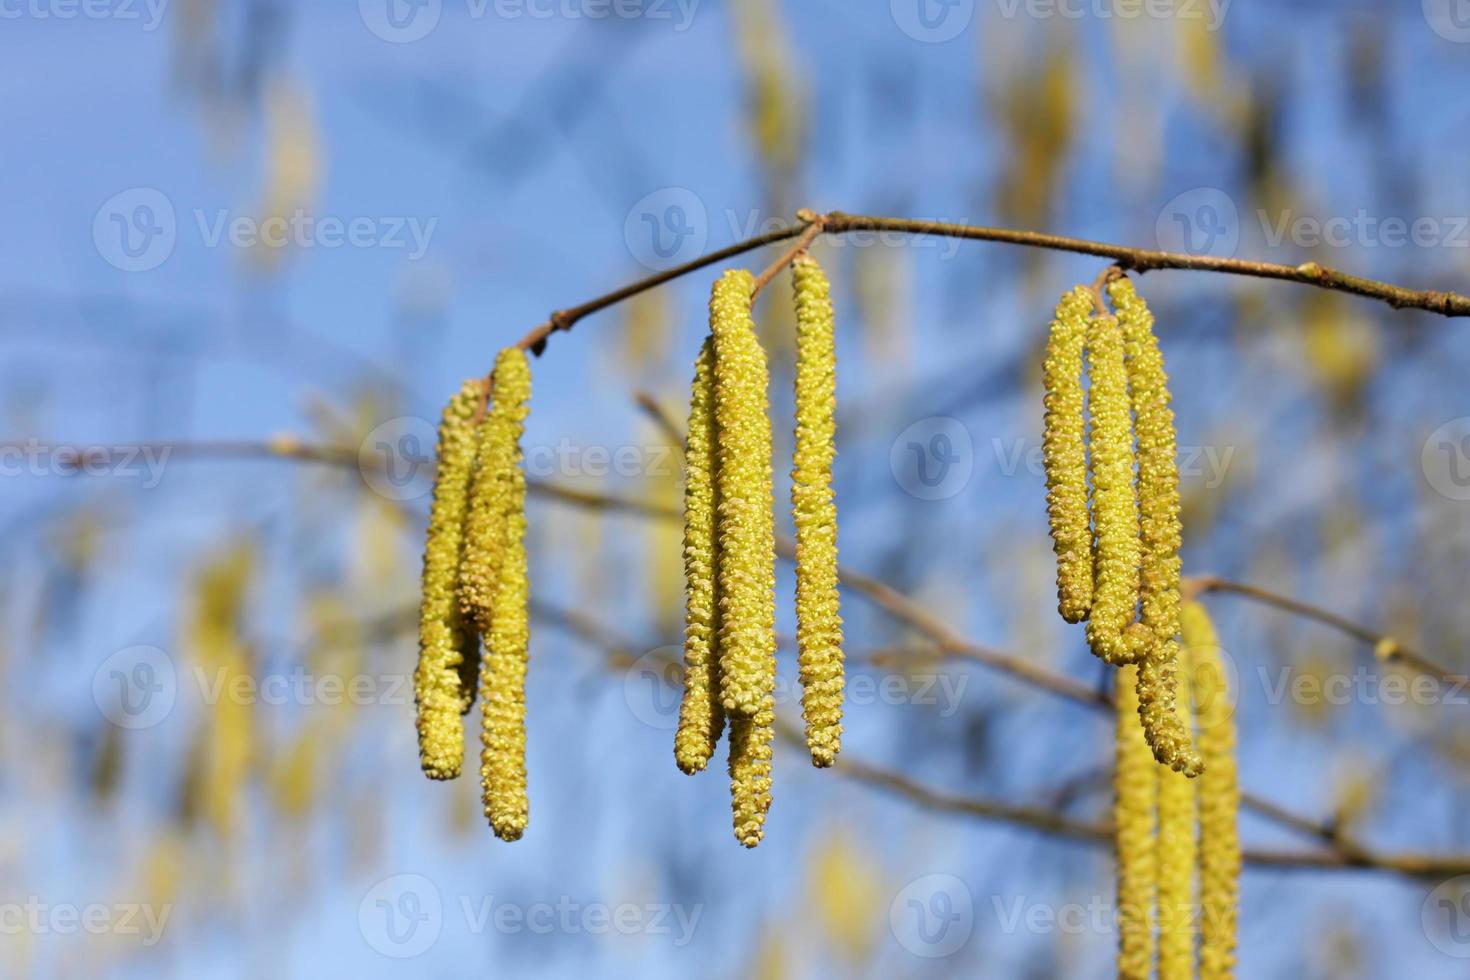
x: 1113, y: 500
x: 476, y: 586
x: 1177, y: 846
x: 729, y: 546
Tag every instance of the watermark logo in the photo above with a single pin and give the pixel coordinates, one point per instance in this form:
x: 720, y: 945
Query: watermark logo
x: 135, y: 230
x: 1445, y: 459
x: 1450, y: 19
x: 396, y: 459
x: 1216, y: 683
x: 1445, y: 917
x: 401, y: 916
x: 400, y: 21
x: 667, y: 227
x: 932, y: 21
x: 136, y: 687
x: 653, y: 686
x: 933, y: 458
x: 933, y: 916
x: 1202, y: 221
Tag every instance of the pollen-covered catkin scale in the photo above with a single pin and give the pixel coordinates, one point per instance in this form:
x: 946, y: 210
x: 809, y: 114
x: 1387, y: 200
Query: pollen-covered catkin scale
x: 701, y: 717
x: 1219, y: 795
x: 1135, y: 799
x: 446, y: 640
x: 818, y: 620
x: 1064, y: 454
x: 1158, y: 462
x: 507, y: 642
x: 747, y: 566
x: 1114, y: 505
x: 1176, y: 857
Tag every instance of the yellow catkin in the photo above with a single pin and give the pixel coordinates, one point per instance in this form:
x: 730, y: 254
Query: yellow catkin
x: 1158, y: 701
x: 1158, y: 464
x: 1114, y: 504
x: 1135, y: 800
x: 701, y: 717
x: 818, y: 620
x: 446, y: 640
x: 484, y: 529
x: 1064, y: 454
x: 1219, y: 795
x: 1160, y: 531
x: 747, y: 563
x: 747, y: 572
x: 507, y: 641
x: 1177, y: 852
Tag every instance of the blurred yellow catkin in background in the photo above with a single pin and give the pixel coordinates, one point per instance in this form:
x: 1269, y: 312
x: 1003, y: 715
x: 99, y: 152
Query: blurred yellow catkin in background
x: 1219, y: 795
x: 1135, y: 800
x: 1177, y: 853
x: 213, y: 635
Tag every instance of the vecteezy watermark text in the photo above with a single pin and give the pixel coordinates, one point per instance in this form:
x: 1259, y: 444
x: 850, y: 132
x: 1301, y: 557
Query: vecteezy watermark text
x: 403, y: 916
x: 35, y: 458
x: 38, y: 918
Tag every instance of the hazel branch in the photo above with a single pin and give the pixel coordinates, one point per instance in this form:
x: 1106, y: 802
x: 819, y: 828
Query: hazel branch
x: 1125, y: 258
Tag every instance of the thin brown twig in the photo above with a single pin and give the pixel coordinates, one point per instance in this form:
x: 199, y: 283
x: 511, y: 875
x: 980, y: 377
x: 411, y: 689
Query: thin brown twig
x: 815, y: 224
x: 1127, y: 258
x: 1385, y: 647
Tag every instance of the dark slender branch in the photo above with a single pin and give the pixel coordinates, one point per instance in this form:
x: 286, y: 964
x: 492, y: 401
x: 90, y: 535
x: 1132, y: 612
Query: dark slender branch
x: 1385, y: 647
x: 1127, y: 258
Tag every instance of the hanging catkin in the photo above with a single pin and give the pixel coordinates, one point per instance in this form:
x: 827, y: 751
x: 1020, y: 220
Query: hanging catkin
x: 818, y: 621
x: 701, y: 717
x: 1064, y: 454
x: 1219, y: 795
x: 1158, y: 465
x: 747, y: 572
x: 446, y: 640
x: 746, y: 521
x: 1135, y: 798
x: 1158, y: 509
x: 1114, y: 504
x: 1176, y: 857
x: 507, y: 640
x: 484, y: 529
